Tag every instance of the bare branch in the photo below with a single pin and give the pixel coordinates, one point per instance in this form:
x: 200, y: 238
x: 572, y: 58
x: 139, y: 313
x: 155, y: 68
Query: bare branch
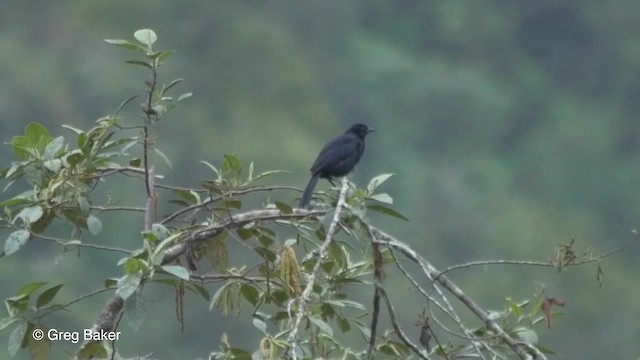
x: 201, y: 234
x: 396, y: 326
x: 322, y: 251
x: 431, y: 272
x: 150, y: 203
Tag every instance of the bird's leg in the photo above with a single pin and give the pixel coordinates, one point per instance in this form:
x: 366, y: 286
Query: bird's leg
x: 331, y: 180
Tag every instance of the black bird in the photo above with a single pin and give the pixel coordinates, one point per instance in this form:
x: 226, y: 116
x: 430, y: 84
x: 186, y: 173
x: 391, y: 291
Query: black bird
x: 337, y: 158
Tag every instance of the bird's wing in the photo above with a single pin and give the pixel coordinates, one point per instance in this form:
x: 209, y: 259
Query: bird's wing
x: 337, y: 150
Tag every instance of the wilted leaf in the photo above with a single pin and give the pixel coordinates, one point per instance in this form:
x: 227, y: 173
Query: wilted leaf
x: 38, y: 349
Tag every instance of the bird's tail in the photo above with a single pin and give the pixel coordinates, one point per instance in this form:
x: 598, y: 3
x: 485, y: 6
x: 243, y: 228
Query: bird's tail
x: 306, y: 196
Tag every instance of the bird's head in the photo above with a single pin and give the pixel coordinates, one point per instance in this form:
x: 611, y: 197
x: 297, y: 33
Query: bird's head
x: 361, y: 130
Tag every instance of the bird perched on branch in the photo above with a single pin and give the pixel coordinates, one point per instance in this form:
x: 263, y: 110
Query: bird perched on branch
x: 337, y: 158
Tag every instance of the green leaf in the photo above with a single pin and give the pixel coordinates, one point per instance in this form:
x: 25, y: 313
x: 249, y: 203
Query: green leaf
x: 164, y: 157
x: 250, y: 293
x: 377, y: 181
x: 323, y: 326
x: 162, y: 56
x: 128, y: 285
x: 18, y: 200
x: 75, y: 158
x: 94, y: 224
x: 527, y: 335
x: 190, y: 196
x: 284, y: 208
x: 177, y: 271
x: 138, y: 62
x: 134, y: 311
x: 388, y: 211
x: 38, y: 134
x: 93, y: 350
x: 84, y: 205
x: 183, y: 97
x: 125, y: 102
x: 269, y: 173
x: 343, y: 324
x: 211, y: 167
x: 260, y: 325
x: 124, y: 44
x: 53, y: 147
x: 16, y: 337
x: 231, y: 164
x: 159, y: 231
x: 30, y: 288
x: 146, y: 36
x: 47, y: 295
x: 22, y: 147
x: 54, y: 165
x: 135, y: 162
x: 131, y: 266
x: 31, y: 214
x: 8, y: 321
x: 109, y: 282
x: 75, y: 130
x: 240, y: 354
x: 15, y: 241
x: 44, y: 222
x: 171, y: 84
x: 383, y: 198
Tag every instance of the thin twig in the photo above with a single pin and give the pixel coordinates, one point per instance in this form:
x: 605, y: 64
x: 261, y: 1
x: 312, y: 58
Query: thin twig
x: 62, y: 306
x: 64, y: 242
x: 536, y: 263
x: 230, y: 193
x: 117, y: 208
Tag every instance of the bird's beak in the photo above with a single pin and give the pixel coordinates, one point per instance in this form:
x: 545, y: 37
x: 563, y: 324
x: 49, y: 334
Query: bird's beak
x: 370, y: 130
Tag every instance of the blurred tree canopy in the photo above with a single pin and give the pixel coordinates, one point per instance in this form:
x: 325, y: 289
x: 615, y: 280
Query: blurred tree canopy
x: 511, y: 128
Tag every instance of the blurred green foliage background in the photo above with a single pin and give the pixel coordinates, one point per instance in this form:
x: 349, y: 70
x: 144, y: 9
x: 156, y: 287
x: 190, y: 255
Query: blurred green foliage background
x: 511, y: 127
